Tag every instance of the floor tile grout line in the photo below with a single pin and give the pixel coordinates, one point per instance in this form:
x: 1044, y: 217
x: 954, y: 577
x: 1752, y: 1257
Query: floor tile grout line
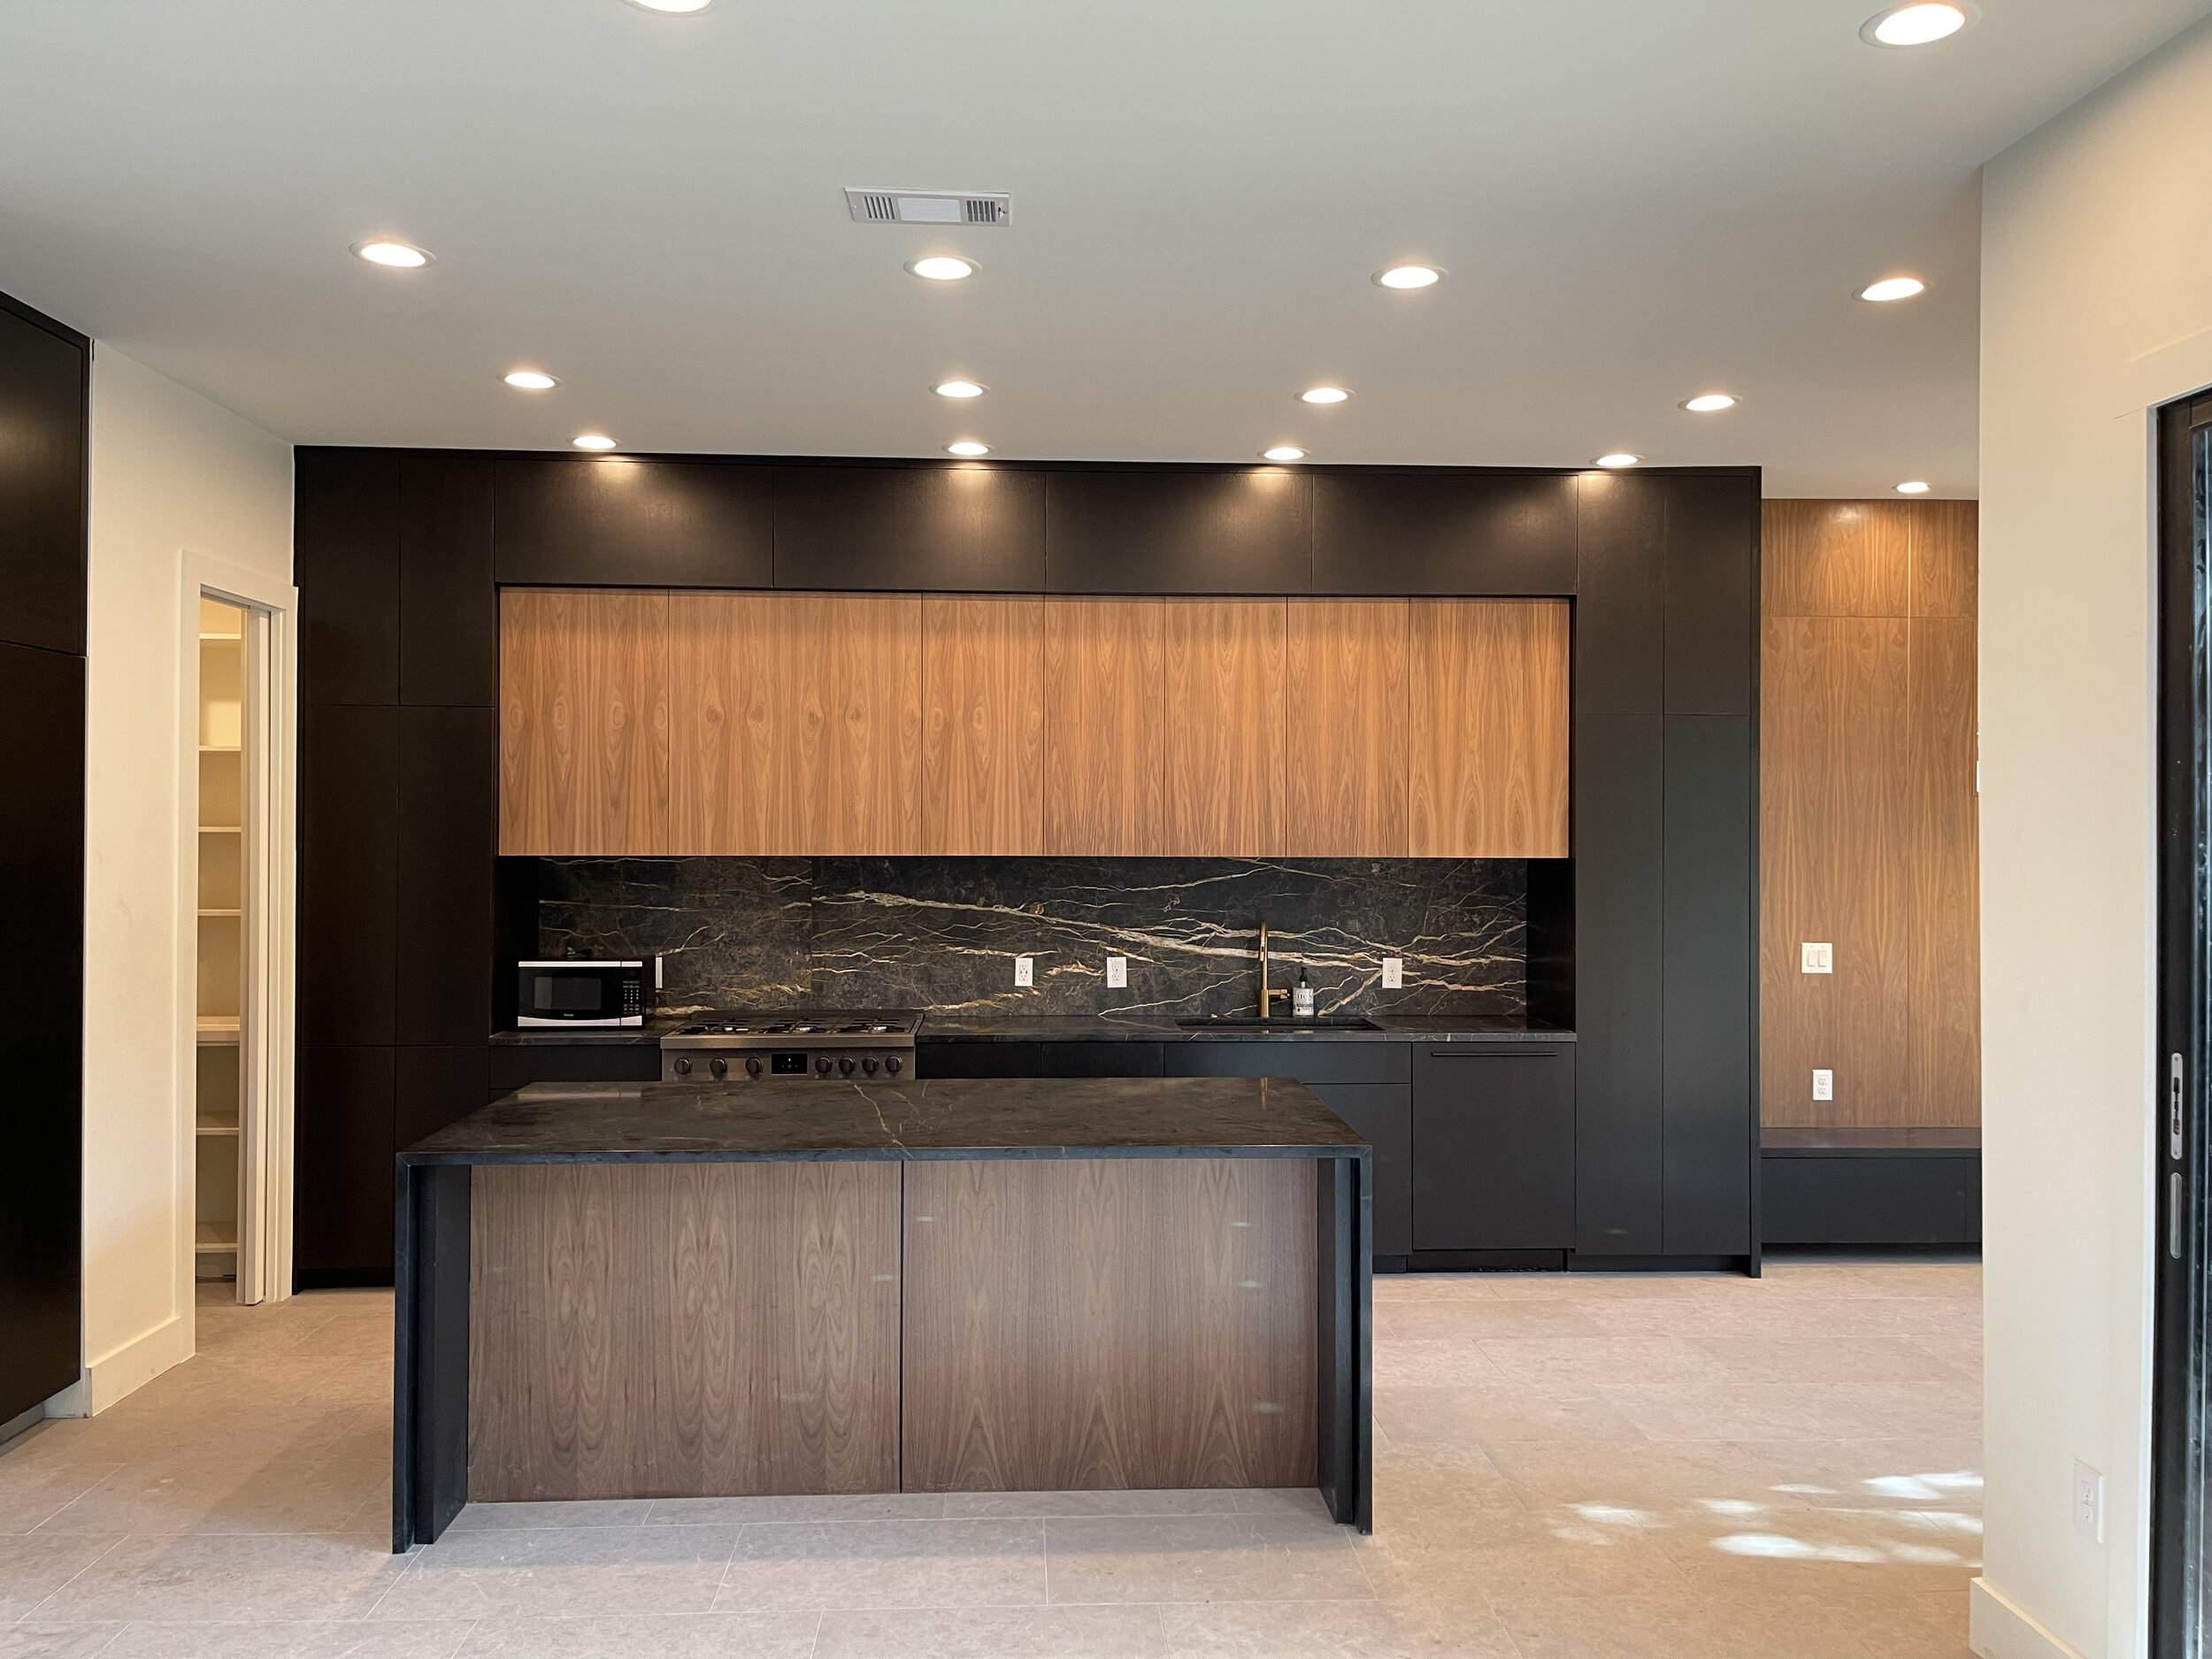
x: 113, y: 1544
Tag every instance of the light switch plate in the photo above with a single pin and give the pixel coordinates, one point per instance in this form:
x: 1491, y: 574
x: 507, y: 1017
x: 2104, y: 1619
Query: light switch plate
x: 2088, y: 1503
x: 1824, y: 1085
x: 1816, y: 958
x: 1117, y: 973
x: 1394, y: 974
x: 1025, y: 972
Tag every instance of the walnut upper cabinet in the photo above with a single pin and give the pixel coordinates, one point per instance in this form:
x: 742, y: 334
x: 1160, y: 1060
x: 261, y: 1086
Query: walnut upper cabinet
x: 583, y: 733
x: 788, y: 724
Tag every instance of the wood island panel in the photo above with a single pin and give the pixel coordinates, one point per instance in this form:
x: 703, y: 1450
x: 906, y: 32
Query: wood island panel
x: 1105, y: 749
x: 583, y: 730
x: 1347, y: 754
x: 983, y: 726
x: 1227, y: 706
x: 1110, y: 1324
x: 1491, y: 728
x: 688, y: 1330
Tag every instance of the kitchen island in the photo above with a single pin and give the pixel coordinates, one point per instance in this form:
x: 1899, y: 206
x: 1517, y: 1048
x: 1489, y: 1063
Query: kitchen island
x: 801, y: 1286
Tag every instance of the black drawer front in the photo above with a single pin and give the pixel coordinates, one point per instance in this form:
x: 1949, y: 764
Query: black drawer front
x: 1494, y: 1148
x: 1100, y: 1059
x: 1307, y: 1061
x: 978, y: 1059
x: 514, y: 1065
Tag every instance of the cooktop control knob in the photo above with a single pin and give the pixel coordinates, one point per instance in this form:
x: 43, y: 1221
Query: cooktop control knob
x: 869, y: 1066
x: 683, y: 1066
x: 893, y: 1065
x: 719, y: 1066
x: 822, y: 1066
x: 845, y: 1065
x: 752, y: 1066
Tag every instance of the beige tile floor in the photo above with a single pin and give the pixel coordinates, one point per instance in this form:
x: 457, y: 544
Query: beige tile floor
x: 1692, y: 1467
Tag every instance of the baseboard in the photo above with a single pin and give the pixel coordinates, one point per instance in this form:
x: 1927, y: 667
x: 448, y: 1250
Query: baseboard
x: 1996, y: 1629
x: 124, y: 1370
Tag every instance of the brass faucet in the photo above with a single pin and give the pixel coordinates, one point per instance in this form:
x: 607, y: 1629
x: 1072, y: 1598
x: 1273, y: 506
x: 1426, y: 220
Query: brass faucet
x: 1267, y: 995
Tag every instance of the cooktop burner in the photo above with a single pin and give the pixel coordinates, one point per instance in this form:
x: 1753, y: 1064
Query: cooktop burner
x: 815, y: 1042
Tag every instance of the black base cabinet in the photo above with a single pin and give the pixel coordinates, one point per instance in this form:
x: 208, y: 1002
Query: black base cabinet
x: 1494, y: 1147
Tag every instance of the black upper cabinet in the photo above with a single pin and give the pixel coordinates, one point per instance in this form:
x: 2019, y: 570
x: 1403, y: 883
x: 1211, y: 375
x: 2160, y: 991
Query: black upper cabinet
x: 448, y: 609
x: 1133, y: 531
x: 41, y: 485
x: 633, y: 524
x: 1443, y: 533
x: 345, y: 557
x: 1712, y: 573
x: 944, y: 529
x: 1620, y: 583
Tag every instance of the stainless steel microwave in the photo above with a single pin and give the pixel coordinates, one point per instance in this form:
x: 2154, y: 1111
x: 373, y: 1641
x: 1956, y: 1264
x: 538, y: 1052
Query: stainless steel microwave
x: 579, y: 993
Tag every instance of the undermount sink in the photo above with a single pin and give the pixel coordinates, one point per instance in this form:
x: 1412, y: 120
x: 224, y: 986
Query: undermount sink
x: 1281, y: 1022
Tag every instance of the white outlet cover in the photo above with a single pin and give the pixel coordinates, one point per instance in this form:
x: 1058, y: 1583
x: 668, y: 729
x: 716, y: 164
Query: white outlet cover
x: 1025, y: 971
x: 1117, y: 973
x: 1394, y: 974
x: 1824, y: 1085
x: 2088, y: 1503
x: 1816, y: 958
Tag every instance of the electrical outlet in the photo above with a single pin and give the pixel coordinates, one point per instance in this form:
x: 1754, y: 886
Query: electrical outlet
x: 1025, y: 972
x: 1117, y: 973
x: 2088, y: 1503
x: 1824, y: 1085
x: 1816, y: 958
x: 1394, y: 974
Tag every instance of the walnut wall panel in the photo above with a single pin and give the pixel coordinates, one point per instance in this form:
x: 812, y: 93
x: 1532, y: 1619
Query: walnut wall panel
x: 1227, y: 717
x: 983, y: 726
x: 583, y: 736
x: 1098, y: 1323
x: 1348, y: 732
x: 1105, y: 729
x: 1490, y: 739
x: 1868, y: 815
x: 683, y: 1330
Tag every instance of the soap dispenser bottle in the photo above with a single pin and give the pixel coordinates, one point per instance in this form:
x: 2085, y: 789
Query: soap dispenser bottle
x: 1302, y: 998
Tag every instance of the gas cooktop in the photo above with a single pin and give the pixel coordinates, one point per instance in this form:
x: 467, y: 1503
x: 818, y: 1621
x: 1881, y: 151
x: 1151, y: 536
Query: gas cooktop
x: 816, y: 1042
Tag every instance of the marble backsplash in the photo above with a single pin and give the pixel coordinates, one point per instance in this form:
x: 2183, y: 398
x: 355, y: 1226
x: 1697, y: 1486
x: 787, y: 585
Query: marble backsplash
x: 940, y: 933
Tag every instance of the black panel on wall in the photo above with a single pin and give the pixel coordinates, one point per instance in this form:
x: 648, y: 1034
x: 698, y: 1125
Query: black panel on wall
x: 1620, y: 643
x: 348, y: 876
x: 1116, y: 531
x: 41, y: 1030
x: 341, y: 1207
x: 943, y: 529
x: 447, y: 765
x: 620, y: 522
x: 449, y: 609
x: 1711, y: 1029
x: 1432, y: 532
x: 1712, y: 576
x: 42, y: 370
x: 433, y: 1087
x: 345, y: 557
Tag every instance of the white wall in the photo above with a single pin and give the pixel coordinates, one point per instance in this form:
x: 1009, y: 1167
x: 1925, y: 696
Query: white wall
x: 2096, y: 304
x: 170, y: 470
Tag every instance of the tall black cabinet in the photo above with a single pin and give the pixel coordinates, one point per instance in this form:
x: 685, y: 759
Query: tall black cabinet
x: 45, y: 380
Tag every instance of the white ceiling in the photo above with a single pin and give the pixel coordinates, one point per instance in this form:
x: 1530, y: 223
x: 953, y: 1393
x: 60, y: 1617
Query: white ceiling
x: 1637, y: 201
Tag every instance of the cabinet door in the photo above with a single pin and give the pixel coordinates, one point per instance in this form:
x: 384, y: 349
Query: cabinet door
x: 1193, y: 530
x: 1227, y: 770
x: 583, y: 735
x: 1494, y: 1148
x: 983, y: 727
x: 1382, y: 1114
x: 1105, y: 755
x: 41, y: 486
x: 1348, y: 728
x: 794, y: 723
x: 1490, y: 739
x: 957, y: 528
x: 620, y: 520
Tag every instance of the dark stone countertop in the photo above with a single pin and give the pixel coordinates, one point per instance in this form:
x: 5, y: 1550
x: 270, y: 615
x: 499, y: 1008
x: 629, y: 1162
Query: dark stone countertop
x: 953, y: 1117
x: 1091, y: 1028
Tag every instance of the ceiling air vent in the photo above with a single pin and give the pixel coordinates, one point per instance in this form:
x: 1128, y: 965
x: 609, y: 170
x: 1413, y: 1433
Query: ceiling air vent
x: 929, y: 207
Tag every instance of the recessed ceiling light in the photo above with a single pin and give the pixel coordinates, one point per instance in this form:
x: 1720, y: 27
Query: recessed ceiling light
x: 957, y: 388
x: 1409, y: 276
x: 529, y: 381
x: 1322, y: 394
x: 968, y: 448
x: 1892, y: 287
x: 1914, y: 487
x: 592, y: 440
x: 397, y: 256
x: 941, y: 267
x: 681, y: 7
x: 1914, y: 24
x: 1283, y: 452
x: 1709, y: 403
x: 1618, y: 459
